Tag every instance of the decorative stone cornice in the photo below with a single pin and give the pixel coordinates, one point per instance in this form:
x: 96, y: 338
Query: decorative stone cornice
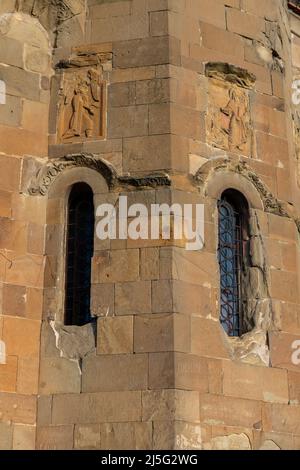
x: 47, y: 174
x: 230, y: 73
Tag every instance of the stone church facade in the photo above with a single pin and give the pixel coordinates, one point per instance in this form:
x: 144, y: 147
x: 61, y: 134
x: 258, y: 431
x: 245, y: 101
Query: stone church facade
x: 164, y: 101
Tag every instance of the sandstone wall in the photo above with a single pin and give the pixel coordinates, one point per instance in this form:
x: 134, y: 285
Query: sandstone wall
x: 157, y: 371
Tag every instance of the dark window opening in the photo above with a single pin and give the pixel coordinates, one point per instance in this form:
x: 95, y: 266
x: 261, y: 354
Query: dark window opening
x: 294, y: 5
x: 233, y: 259
x: 79, y: 252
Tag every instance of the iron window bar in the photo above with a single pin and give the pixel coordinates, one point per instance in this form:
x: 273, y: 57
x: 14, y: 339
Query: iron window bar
x: 230, y: 255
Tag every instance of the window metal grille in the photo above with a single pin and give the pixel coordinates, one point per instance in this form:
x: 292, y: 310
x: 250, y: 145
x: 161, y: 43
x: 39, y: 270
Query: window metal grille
x: 230, y: 254
x: 80, y: 247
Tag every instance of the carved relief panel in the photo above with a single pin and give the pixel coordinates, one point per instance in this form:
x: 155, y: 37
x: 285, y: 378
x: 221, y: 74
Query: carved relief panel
x: 228, y: 124
x: 82, y: 98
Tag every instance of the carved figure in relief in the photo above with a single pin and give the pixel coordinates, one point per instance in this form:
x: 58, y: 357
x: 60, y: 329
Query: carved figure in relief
x: 82, y: 105
x: 228, y: 117
x: 236, y: 110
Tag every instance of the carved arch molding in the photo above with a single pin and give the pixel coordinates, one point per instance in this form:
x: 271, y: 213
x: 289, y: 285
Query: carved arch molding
x: 270, y: 203
x: 48, y: 173
x: 55, y: 15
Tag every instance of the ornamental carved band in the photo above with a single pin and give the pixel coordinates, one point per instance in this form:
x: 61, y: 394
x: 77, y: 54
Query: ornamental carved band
x: 81, y: 105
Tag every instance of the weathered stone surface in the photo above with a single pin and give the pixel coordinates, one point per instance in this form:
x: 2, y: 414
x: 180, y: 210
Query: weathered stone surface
x: 133, y: 298
x: 255, y: 382
x: 221, y: 410
x: 55, y: 438
x: 126, y: 436
x: 115, y: 335
x: 231, y: 442
x: 74, y: 342
x: 115, y: 372
x: 59, y: 375
x: 101, y: 407
x: 87, y: 437
x: 6, y: 436
x: 24, y: 437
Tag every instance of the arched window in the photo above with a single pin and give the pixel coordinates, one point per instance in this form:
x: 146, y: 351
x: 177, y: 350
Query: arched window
x: 79, y: 252
x: 233, y: 259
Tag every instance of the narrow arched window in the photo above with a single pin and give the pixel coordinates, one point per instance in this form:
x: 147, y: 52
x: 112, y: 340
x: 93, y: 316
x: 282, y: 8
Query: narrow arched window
x: 79, y: 252
x: 233, y: 259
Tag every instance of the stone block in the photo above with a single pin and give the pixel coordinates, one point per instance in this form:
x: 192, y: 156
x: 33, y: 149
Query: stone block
x: 212, y: 13
x: 115, y: 335
x: 281, y: 228
x: 55, y: 438
x: 14, y: 300
x: 161, y: 332
x: 122, y: 94
x: 110, y: 8
x: 116, y: 266
x: 162, y: 296
x: 8, y: 374
x: 182, y: 371
x: 7, y: 6
x: 5, y: 204
x: 285, y: 418
x: 255, y: 382
x: 18, y: 408
x: 22, y: 336
x: 168, y: 405
x: 102, y: 299
x: 115, y: 372
x: 208, y: 338
x: 272, y: 150
x: 159, y: 119
x: 262, y: 9
x: 59, y: 375
x: 44, y: 409
x: 17, y: 141
x: 35, y: 116
x: 133, y: 74
x: 133, y: 298
x: 217, y: 39
x: 11, y: 112
x: 128, y: 121
x: 9, y: 173
x: 159, y: 23
x: 285, y: 350
x: 142, y: 52
x: 36, y: 240
x: 149, y: 263
x: 152, y: 91
x: 126, y: 436
x: 28, y: 375
x: 246, y: 25
x: 147, y: 154
x: 87, y: 437
x: 37, y: 60
x: 20, y: 82
x: 24, y: 437
x: 101, y: 407
x: 229, y: 411
x: 6, y: 436
x: 294, y: 386
x: 284, y: 286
